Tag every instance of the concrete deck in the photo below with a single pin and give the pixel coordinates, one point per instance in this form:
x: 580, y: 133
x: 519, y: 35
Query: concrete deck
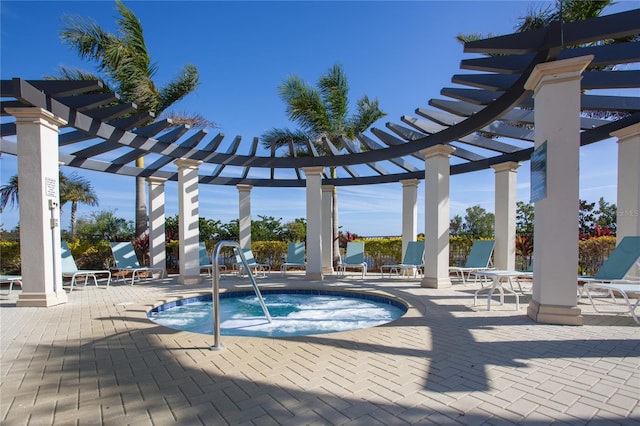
x: 98, y: 360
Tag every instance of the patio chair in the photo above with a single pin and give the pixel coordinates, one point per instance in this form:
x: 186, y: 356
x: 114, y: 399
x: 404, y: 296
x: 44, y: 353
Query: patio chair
x: 479, y: 259
x: 354, y: 259
x: 205, y: 260
x: 12, y: 280
x: 70, y: 270
x: 295, y: 258
x: 258, y: 269
x: 413, y: 260
x: 127, y: 263
x: 613, y: 276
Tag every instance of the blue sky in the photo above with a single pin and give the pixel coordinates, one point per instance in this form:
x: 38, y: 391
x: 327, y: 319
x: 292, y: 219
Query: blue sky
x: 403, y: 53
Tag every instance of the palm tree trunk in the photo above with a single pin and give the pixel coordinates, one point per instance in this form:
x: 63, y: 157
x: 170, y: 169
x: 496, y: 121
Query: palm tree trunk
x: 336, y: 227
x: 141, y: 205
x: 74, y: 214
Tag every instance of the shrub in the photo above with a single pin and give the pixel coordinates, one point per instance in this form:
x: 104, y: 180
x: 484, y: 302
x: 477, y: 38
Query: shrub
x: 459, y: 248
x: 270, y: 252
x: 383, y: 251
x: 91, y: 255
x: 10, y: 258
x: 593, y: 252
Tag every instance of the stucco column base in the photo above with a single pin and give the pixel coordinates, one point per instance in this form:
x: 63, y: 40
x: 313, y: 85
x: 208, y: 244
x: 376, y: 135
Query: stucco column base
x: 328, y: 270
x: 41, y: 300
x: 432, y: 282
x: 190, y: 279
x: 551, y: 314
x: 314, y: 276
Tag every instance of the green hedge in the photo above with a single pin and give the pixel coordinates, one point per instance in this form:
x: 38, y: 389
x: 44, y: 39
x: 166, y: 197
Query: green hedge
x: 9, y: 258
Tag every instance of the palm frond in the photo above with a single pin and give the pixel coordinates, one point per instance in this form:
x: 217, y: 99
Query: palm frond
x: 85, y: 36
x: 194, y: 120
x: 283, y: 137
x: 368, y: 113
x: 177, y: 89
x: 304, y: 105
x: 9, y: 193
x: 335, y: 94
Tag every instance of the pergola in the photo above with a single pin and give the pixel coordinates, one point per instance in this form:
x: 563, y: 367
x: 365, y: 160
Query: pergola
x: 528, y: 89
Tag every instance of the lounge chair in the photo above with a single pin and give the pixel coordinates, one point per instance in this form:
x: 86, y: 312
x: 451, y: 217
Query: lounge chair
x: 205, y: 260
x: 479, y: 259
x: 354, y: 259
x: 295, y: 258
x: 70, y: 270
x: 127, y: 263
x: 613, y: 276
x: 259, y: 269
x: 11, y: 279
x: 413, y: 260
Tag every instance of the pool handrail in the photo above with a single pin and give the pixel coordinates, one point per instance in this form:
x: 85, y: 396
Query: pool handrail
x: 215, y: 289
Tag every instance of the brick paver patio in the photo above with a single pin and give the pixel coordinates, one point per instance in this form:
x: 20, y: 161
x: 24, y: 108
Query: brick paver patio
x: 98, y: 360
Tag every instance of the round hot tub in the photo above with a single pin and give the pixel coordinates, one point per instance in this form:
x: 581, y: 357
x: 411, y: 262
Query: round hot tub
x: 293, y: 312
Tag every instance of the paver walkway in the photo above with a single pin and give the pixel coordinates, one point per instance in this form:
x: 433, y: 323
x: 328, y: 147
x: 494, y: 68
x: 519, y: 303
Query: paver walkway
x: 98, y: 360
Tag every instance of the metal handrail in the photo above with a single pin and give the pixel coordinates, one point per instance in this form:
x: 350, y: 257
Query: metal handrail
x: 215, y: 289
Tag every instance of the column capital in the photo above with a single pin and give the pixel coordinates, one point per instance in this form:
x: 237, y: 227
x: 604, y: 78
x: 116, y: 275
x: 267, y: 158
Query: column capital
x: 438, y: 151
x: 244, y: 187
x: 328, y: 188
x: 509, y: 166
x: 36, y: 115
x: 186, y: 163
x: 409, y: 182
x: 156, y: 180
x: 316, y: 170
x: 557, y: 72
x: 626, y: 132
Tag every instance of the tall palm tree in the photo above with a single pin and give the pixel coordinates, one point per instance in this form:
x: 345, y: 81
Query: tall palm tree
x: 322, y: 112
x: 124, y: 60
x: 77, y: 190
x: 74, y: 189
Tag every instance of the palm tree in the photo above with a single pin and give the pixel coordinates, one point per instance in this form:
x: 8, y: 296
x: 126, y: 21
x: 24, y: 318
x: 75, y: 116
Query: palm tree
x: 129, y: 71
x: 73, y: 188
x: 77, y: 190
x: 322, y: 112
x: 9, y: 193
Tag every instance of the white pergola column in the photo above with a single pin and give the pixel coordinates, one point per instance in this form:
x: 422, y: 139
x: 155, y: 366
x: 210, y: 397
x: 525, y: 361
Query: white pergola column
x: 189, y: 228
x: 39, y: 195
x: 506, y: 180
x: 244, y: 221
x: 628, y: 201
x: 157, y: 250
x: 314, y: 222
x: 409, y: 212
x: 436, y: 216
x: 327, y: 229
x: 556, y: 93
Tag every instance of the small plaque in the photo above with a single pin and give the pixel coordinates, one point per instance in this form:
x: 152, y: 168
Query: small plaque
x: 50, y: 187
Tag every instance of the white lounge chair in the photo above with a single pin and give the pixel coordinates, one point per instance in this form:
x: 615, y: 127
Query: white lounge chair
x: 127, y: 263
x: 479, y: 259
x: 70, y: 270
x: 413, y: 260
x: 12, y: 280
x: 295, y: 257
x: 613, y: 276
x: 354, y: 258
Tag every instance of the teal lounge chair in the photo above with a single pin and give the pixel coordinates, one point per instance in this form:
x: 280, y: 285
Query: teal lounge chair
x: 354, y: 259
x: 613, y: 276
x: 205, y: 260
x: 413, y: 260
x: 258, y: 269
x: 295, y: 258
x: 70, y: 270
x: 479, y: 259
x: 127, y: 263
